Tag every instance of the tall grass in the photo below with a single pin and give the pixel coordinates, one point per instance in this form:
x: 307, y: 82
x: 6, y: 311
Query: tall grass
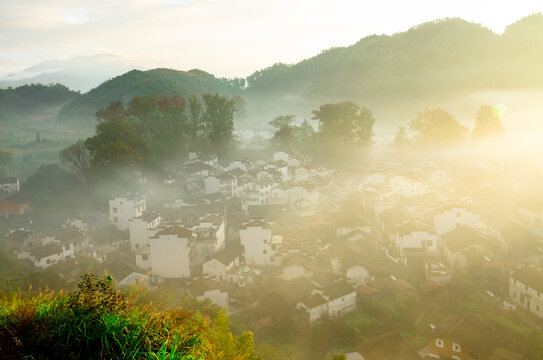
x: 96, y: 322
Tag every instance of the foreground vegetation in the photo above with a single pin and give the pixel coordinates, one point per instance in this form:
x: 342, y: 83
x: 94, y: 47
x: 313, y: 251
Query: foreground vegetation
x: 100, y: 322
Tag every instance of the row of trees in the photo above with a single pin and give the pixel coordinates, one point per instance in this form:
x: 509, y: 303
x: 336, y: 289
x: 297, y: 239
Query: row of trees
x: 438, y: 127
x: 152, y: 129
x: 340, y: 125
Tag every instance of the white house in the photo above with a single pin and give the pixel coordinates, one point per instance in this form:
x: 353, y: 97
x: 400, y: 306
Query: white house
x: 218, y: 266
x: 141, y: 228
x: 307, y: 191
x: 458, y: 242
x: 9, y: 185
x: 450, y: 217
x: 73, y: 242
x: 256, y: 240
x: 171, y: 252
x: 408, y: 186
x: 126, y: 274
x: 296, y: 265
x: 341, y: 298
x: 44, y: 256
x: 203, y: 288
x: 526, y: 289
x: 143, y: 258
x: 315, y: 305
x: 415, y: 236
x: 125, y: 208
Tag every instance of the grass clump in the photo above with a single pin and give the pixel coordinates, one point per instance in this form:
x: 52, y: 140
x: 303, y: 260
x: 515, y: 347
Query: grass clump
x: 100, y: 322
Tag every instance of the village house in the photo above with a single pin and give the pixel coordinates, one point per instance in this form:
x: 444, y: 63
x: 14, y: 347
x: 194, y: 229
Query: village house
x: 296, y: 265
x: 408, y: 186
x: 457, y: 244
x: 141, y: 228
x: 390, y: 347
x: 73, y: 242
x: 202, y: 289
x: 11, y: 207
x: 526, y: 289
x: 125, y: 208
x: 44, y: 256
x: 171, y: 252
x: 256, y: 241
x: 127, y: 274
x: 450, y: 217
x: 220, y: 263
x: 210, y: 232
x: 468, y: 337
x: 9, y: 185
x: 414, y: 237
x: 341, y: 298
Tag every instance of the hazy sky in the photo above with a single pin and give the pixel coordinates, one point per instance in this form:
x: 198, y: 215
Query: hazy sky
x: 225, y: 37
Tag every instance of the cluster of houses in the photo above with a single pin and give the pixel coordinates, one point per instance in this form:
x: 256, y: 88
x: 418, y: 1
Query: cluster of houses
x: 9, y: 206
x: 285, y: 241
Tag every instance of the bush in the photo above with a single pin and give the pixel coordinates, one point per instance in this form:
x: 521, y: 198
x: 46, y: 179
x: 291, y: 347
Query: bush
x: 100, y: 322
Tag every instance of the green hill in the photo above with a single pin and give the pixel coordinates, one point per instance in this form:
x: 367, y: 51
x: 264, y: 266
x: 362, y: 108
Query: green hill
x: 430, y: 61
x: 30, y: 99
x: 446, y: 56
x: 162, y: 82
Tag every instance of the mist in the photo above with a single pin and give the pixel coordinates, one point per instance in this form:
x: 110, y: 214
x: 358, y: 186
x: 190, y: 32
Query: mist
x: 376, y: 201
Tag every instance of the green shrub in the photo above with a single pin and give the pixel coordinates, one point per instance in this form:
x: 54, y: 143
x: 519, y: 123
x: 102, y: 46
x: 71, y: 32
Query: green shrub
x: 100, y: 322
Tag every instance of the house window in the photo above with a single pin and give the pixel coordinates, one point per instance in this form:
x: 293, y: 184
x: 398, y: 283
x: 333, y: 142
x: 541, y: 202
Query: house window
x: 456, y: 347
x: 458, y: 214
x: 115, y: 219
x: 48, y: 261
x: 429, y: 243
x: 439, y: 343
x: 145, y: 257
x: 264, y: 251
x: 114, y: 209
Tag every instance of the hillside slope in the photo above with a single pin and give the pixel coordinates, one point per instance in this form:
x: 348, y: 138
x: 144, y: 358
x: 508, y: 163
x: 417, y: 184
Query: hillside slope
x: 445, y: 56
x: 30, y: 99
x: 436, y: 60
x: 162, y: 82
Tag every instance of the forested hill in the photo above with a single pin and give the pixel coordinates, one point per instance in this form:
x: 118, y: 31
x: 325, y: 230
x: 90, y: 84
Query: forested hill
x: 28, y: 99
x: 432, y: 60
x: 161, y: 82
x: 445, y: 56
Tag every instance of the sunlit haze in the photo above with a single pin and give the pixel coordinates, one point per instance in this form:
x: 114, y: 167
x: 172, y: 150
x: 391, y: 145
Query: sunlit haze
x: 226, y: 38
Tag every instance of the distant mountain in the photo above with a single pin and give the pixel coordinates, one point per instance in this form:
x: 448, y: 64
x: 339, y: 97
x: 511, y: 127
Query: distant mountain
x: 444, y: 57
x: 30, y: 99
x: 435, y: 60
x: 81, y: 73
x: 162, y: 82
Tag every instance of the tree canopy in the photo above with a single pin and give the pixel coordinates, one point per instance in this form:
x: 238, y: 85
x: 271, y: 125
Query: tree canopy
x: 437, y: 127
x: 345, y: 123
x: 487, y: 122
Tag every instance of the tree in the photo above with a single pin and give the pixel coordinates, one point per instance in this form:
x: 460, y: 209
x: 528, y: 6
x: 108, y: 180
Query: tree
x: 487, y: 122
x: 6, y: 160
x: 76, y: 157
x: 283, y: 120
x: 218, y: 120
x: 195, y: 115
x: 115, y: 142
x: 437, y: 127
x: 401, y: 138
x: 345, y: 123
x: 114, y: 109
